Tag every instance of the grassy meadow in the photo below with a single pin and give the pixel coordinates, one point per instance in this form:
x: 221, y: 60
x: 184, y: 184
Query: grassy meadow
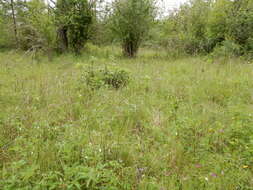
x: 180, y: 124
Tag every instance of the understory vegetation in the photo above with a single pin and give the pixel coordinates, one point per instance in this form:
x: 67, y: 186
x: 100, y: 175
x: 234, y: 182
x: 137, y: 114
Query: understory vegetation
x: 177, y: 124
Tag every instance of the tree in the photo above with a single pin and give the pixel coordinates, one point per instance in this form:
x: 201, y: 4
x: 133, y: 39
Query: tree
x: 131, y: 21
x: 2, y: 26
x: 14, y: 20
x: 36, y: 27
x: 8, y: 23
x: 186, y: 28
x: 217, y: 26
x: 240, y: 22
x: 200, y: 26
x: 231, y: 23
x: 62, y: 7
x: 81, y: 15
x: 74, y: 19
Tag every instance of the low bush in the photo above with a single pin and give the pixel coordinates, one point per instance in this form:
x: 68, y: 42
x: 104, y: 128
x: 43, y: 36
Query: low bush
x: 227, y: 49
x: 96, y: 78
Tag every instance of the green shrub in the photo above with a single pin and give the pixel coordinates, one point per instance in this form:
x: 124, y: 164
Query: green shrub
x: 227, y: 49
x: 96, y: 78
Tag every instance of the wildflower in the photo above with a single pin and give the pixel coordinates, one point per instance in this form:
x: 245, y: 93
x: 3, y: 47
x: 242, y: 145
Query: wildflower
x: 221, y: 131
x: 214, y: 175
x: 245, y: 167
x: 206, y: 178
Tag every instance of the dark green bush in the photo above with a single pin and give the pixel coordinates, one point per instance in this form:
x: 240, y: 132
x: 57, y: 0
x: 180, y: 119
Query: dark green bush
x: 96, y: 78
x: 201, y: 26
x: 227, y: 49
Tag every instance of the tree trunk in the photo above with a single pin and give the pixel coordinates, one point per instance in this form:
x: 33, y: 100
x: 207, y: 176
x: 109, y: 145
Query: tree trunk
x: 62, y: 39
x: 14, y: 22
x: 130, y: 49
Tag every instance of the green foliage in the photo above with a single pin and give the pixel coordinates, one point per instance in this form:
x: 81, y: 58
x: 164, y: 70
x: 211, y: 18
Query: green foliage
x: 185, y: 29
x: 131, y: 21
x: 108, y: 52
x: 96, y: 78
x: 200, y: 26
x: 241, y: 25
x: 196, y: 27
x: 76, y: 177
x: 6, y: 25
x: 74, y: 19
x: 2, y: 31
x: 217, y: 27
x: 36, y: 30
x: 227, y: 49
x: 80, y: 19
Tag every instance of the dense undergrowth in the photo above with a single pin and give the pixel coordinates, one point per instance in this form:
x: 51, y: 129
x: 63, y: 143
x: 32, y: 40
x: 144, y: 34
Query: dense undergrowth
x: 185, y: 124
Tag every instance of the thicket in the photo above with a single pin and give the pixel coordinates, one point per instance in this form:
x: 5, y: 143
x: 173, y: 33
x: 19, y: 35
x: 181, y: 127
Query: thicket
x: 54, y: 26
x: 222, y: 26
x: 216, y: 27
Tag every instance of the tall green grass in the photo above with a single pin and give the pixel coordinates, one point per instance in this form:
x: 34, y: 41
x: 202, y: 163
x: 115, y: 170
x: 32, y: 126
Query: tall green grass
x: 182, y: 124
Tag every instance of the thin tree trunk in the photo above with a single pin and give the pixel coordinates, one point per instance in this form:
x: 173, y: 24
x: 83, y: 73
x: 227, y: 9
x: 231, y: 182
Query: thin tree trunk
x: 49, y: 48
x: 62, y: 39
x: 14, y: 22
